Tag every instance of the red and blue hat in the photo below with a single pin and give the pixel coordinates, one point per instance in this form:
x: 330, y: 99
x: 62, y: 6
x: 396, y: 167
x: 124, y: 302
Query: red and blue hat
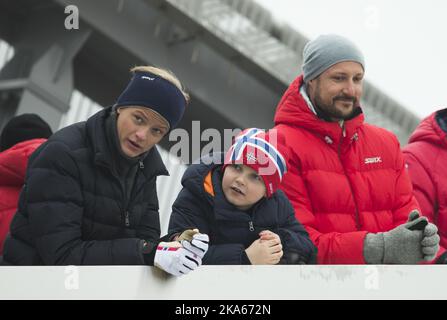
x: 264, y: 152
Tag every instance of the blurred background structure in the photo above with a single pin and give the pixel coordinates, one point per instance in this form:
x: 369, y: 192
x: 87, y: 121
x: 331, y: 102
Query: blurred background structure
x: 234, y: 59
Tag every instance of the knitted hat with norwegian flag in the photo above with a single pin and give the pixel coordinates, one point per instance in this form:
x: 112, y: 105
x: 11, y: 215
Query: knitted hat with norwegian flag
x: 264, y: 152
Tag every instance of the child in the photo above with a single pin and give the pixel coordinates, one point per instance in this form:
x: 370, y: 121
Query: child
x: 238, y: 205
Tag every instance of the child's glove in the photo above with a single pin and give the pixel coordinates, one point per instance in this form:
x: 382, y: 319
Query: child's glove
x: 172, y: 258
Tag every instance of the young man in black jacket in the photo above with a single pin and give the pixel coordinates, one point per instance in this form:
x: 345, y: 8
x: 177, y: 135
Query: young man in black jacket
x: 237, y: 204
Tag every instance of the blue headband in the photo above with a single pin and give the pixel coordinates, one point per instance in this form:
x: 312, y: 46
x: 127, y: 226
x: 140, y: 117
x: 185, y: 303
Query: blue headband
x: 156, y: 93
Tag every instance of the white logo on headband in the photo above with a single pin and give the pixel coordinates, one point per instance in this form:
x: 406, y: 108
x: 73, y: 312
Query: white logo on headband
x: 147, y: 78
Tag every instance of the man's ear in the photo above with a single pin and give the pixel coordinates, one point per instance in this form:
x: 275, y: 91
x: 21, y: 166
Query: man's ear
x: 310, y: 85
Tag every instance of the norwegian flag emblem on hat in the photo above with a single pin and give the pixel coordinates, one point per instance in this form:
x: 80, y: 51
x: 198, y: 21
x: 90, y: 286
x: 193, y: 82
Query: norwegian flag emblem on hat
x: 254, y: 140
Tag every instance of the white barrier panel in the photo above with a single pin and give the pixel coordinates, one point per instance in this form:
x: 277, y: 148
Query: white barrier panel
x: 225, y: 283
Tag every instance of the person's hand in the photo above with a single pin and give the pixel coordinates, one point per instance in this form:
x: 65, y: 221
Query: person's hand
x: 198, y: 244
x: 401, y: 245
x: 268, y: 235
x: 442, y: 259
x: 186, y: 235
x: 174, y: 259
x: 264, y: 251
x: 430, y: 242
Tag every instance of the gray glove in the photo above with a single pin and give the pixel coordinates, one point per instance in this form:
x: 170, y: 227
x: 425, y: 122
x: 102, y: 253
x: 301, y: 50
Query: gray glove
x: 430, y: 242
x: 397, y: 246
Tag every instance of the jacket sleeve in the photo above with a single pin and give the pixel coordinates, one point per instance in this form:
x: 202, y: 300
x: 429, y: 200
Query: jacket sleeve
x: 423, y: 188
x: 404, y: 201
x: 297, y: 246
x: 187, y: 213
x: 55, y: 206
x: 333, y: 247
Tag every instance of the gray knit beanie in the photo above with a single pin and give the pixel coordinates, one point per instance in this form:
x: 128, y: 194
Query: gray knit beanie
x: 325, y: 51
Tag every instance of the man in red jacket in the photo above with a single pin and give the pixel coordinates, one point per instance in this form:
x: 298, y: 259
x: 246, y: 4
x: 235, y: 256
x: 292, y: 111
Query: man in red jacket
x: 347, y: 180
x: 20, y: 137
x: 426, y: 158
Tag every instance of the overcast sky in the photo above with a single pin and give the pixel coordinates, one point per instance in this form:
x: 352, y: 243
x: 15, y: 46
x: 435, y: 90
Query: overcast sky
x: 404, y: 42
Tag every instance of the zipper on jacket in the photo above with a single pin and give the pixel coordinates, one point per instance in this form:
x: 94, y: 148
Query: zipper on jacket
x: 124, y: 204
x: 357, y: 219
x: 137, y: 191
x: 250, y: 226
x: 127, y: 220
x: 133, y: 194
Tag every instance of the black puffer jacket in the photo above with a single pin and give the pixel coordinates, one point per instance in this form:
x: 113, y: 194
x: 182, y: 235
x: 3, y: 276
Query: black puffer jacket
x: 74, y: 208
x: 231, y: 230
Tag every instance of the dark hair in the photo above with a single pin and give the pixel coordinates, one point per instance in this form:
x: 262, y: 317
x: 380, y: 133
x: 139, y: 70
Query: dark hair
x: 21, y: 128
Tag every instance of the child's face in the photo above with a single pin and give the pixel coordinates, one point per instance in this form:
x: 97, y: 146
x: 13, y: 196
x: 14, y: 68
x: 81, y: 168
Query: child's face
x: 242, y: 186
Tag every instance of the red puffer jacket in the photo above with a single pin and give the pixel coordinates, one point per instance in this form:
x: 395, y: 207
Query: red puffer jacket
x: 342, y: 185
x: 426, y: 157
x: 13, y: 162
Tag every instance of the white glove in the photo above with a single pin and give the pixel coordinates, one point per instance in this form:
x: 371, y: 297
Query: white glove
x: 174, y: 259
x: 198, y: 245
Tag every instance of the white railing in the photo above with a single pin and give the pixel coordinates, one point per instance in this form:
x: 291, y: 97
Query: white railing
x: 225, y: 282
